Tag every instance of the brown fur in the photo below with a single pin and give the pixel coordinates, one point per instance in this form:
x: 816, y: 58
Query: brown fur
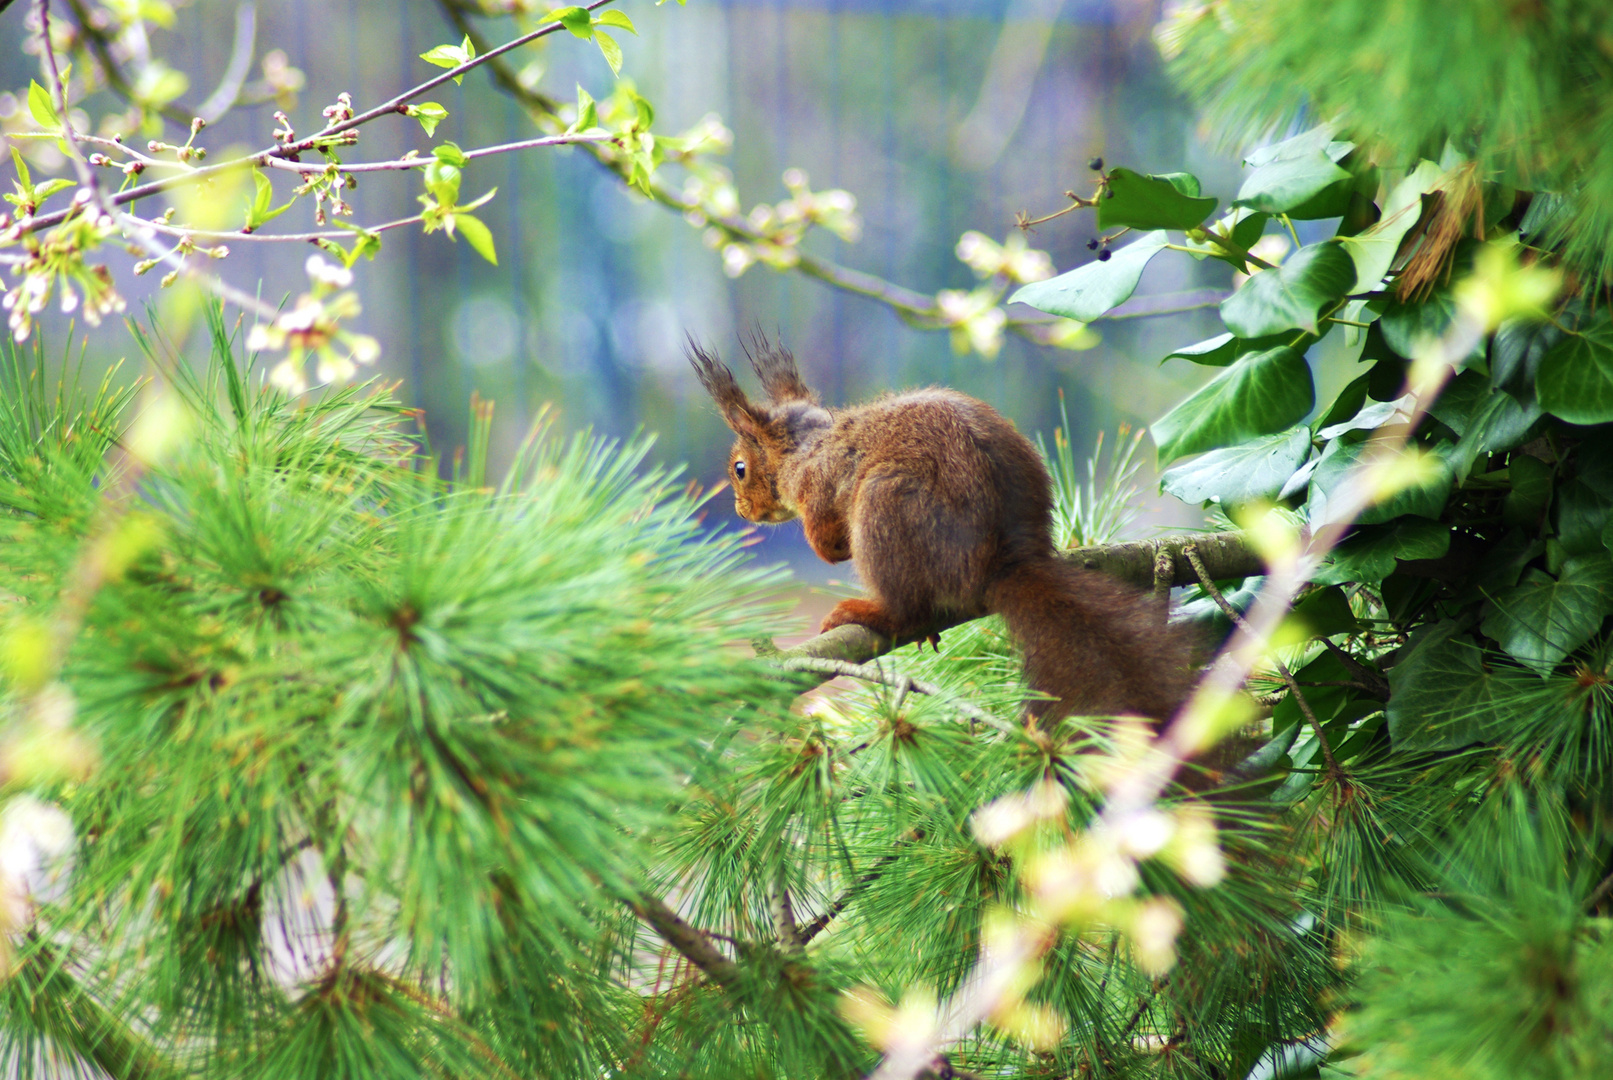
x: 947, y: 510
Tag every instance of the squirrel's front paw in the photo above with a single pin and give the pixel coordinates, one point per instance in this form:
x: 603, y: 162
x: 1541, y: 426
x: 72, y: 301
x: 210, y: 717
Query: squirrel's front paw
x: 861, y: 612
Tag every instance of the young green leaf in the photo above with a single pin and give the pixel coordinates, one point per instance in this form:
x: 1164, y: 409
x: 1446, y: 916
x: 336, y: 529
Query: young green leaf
x: 1167, y: 201
x: 575, y: 19
x: 1292, y: 295
x: 1261, y: 394
x: 24, y: 180
x: 617, y: 19
x: 42, y: 108
x: 478, y: 235
x: 45, y: 190
x: 430, y: 114
x: 611, y: 51
x: 451, y: 56
x: 260, y: 211
x: 442, y: 181
x: 1088, y: 291
x: 450, y: 154
x: 587, y: 112
x: 366, y: 242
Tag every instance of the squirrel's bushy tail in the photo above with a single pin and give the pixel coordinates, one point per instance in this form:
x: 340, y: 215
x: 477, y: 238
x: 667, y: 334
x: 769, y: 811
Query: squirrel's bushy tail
x: 1099, y: 646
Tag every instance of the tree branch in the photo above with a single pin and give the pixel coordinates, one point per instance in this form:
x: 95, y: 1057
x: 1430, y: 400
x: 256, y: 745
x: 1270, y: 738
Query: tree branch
x: 695, y: 946
x: 1208, y: 584
x: 1226, y: 555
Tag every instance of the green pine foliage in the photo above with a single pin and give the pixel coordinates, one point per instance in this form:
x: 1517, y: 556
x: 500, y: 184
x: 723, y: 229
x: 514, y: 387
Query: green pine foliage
x: 379, y: 756
x: 1520, y: 89
x: 387, y: 768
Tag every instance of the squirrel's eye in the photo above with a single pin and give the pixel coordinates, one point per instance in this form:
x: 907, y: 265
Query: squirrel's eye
x: 739, y: 470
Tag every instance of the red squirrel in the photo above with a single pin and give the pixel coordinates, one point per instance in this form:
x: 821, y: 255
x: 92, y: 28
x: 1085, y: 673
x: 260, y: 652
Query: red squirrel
x: 947, y: 511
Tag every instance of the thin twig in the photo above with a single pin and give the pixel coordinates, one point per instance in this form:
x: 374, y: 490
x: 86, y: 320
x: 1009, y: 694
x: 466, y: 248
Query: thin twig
x: 1600, y: 893
x: 783, y: 912
x: 875, y: 674
x: 844, y: 900
x: 101, y: 46
x: 1207, y: 583
x: 1367, y: 680
x: 234, y: 236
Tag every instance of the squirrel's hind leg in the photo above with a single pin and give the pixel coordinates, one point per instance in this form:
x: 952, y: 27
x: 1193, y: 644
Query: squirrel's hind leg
x: 921, y: 563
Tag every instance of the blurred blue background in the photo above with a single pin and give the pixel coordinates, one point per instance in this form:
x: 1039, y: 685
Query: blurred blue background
x: 940, y: 116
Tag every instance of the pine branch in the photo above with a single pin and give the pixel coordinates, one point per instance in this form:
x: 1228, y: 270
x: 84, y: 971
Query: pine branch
x: 693, y: 943
x: 64, y: 1008
x: 874, y: 673
x: 844, y: 900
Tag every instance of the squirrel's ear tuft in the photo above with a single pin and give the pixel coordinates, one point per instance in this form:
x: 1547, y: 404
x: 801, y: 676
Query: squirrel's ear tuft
x: 724, y: 389
x: 776, y: 368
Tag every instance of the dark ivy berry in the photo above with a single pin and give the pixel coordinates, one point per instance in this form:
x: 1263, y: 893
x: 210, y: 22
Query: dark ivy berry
x: 1096, y: 164
x: 1092, y: 245
x: 1103, y: 256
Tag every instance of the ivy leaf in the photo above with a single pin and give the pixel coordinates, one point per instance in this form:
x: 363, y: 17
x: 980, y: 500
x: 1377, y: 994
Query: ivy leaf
x: 1290, y: 296
x: 1515, y: 354
x: 1289, y: 181
x: 1424, y: 495
x: 42, y: 108
x: 1541, y: 621
x: 1088, y: 291
x: 1371, y: 551
x: 1260, y: 394
x: 1404, y: 325
x: 1326, y: 612
x: 430, y: 114
x: 611, y: 51
x: 1167, y: 201
x: 1496, y: 423
x: 618, y: 19
x: 575, y: 19
x: 1239, y: 474
x: 1373, y: 250
x: 478, y: 235
x: 1575, y: 381
x: 1443, y: 696
x: 1582, y: 514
